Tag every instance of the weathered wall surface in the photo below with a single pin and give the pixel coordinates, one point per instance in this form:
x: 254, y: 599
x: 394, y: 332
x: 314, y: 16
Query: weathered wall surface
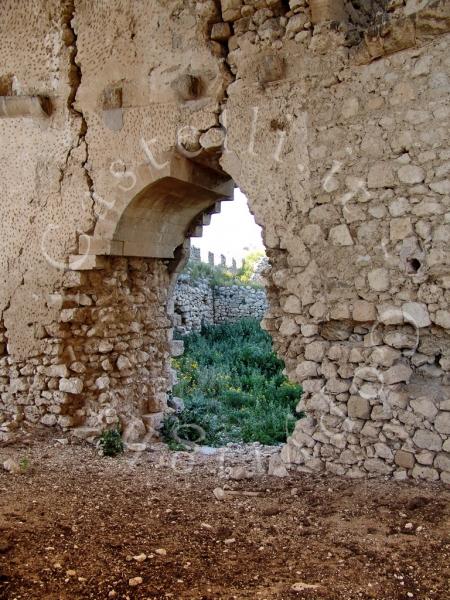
x: 198, y: 302
x: 355, y: 211
x: 345, y: 160
x: 120, y: 86
x: 106, y: 361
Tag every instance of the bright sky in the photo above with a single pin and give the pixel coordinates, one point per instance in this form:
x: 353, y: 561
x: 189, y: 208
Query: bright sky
x: 232, y: 232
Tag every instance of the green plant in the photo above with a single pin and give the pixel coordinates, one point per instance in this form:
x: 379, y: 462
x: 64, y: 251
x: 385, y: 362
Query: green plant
x: 233, y: 388
x: 249, y: 264
x: 24, y: 464
x: 111, y: 442
x: 219, y: 275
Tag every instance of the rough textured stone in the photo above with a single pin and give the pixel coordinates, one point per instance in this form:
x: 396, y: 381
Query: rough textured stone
x: 74, y: 385
x: 379, y: 280
x: 358, y: 408
x: 349, y: 183
x: 442, y: 423
x: 411, y: 174
x: 404, y: 459
x: 428, y: 440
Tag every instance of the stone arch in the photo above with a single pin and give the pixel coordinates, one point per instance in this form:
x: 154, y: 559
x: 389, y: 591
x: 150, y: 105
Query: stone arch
x: 166, y: 204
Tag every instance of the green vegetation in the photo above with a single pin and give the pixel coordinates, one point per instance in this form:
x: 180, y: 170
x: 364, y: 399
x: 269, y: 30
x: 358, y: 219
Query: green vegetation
x: 233, y: 388
x: 222, y: 276
x: 111, y: 442
x: 249, y: 265
x: 24, y: 464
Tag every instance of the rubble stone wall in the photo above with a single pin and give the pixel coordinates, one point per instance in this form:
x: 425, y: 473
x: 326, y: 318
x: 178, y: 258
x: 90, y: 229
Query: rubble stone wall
x: 357, y: 238
x: 334, y: 123
x: 198, y: 302
x: 106, y: 361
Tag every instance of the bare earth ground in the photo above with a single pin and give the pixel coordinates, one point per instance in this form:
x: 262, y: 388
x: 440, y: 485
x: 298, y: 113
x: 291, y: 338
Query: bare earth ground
x: 72, y: 523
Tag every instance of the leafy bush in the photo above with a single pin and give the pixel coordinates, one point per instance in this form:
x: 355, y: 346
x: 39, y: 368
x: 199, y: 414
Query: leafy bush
x: 111, y: 442
x: 233, y: 388
x: 222, y: 276
x: 246, y: 272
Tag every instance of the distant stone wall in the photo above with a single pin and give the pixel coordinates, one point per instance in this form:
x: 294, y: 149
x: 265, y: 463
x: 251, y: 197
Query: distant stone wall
x: 197, y: 302
x: 235, y: 302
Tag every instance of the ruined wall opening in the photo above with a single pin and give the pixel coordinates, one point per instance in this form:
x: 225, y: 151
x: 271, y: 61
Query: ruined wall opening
x: 230, y: 386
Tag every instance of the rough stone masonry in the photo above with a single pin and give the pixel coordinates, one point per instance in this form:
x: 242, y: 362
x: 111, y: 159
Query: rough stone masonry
x: 198, y: 302
x: 123, y: 126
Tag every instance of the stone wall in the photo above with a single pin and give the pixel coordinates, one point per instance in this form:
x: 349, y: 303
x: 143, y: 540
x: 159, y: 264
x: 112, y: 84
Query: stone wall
x: 193, y: 304
x: 359, y: 288
x: 107, y: 359
x: 198, y: 302
x: 333, y: 119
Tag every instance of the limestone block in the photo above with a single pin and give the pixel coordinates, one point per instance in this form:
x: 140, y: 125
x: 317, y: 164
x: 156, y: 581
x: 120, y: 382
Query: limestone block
x: 102, y: 383
x: 400, y: 339
x: 393, y: 431
x: 425, y: 457
x: 308, y: 330
x: 221, y: 32
x: 400, y: 228
x: 442, y: 318
x: 388, y: 314
x: 424, y: 407
x: 411, y: 174
x: 49, y: 420
x: 381, y: 412
x: 72, y: 385
x: 340, y: 236
x: 306, y: 369
x: 57, y: 371
x: 123, y: 363
x: 416, y: 313
x: 383, y: 451
x: 379, y: 279
x: 288, y: 327
x: 231, y: 9
x: 442, y: 461
x: 296, y: 24
x: 381, y: 175
x: 442, y: 423
x: 397, y: 374
x: 441, y: 187
x: 316, y: 351
x: 377, y: 466
x: 337, y: 386
x: 384, y: 356
x: 358, y: 407
x: 429, y: 440
x: 426, y: 473
x: 292, y: 305
x: 105, y: 346
x: 364, y: 311
x: 368, y: 374
x: 404, y: 459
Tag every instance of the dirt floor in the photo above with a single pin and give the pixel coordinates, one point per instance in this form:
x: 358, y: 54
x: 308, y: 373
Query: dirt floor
x: 77, y: 525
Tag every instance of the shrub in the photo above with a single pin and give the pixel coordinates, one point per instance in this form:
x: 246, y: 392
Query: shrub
x: 222, y: 276
x: 233, y: 388
x: 111, y: 442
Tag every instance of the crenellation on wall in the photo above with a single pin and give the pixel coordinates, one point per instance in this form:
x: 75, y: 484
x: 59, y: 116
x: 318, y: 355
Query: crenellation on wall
x: 334, y: 124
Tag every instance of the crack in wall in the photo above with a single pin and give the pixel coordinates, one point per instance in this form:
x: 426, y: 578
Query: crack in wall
x: 70, y: 38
